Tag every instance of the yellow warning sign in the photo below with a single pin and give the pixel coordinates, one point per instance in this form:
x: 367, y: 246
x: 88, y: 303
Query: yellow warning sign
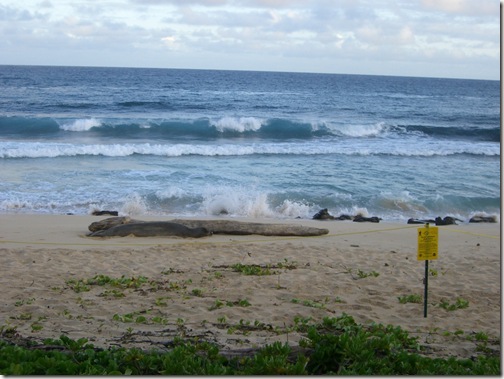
x: 427, y: 243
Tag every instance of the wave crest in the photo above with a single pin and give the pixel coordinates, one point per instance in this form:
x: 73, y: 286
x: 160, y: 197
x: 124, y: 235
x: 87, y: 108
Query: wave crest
x: 330, y: 147
x: 233, y: 126
x: 239, y: 125
x: 81, y: 125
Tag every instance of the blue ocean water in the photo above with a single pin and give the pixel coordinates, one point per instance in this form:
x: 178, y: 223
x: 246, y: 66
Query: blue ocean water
x: 257, y: 144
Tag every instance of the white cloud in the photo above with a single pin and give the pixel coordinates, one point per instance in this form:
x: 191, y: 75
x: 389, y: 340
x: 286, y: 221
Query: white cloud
x: 299, y: 35
x: 463, y: 7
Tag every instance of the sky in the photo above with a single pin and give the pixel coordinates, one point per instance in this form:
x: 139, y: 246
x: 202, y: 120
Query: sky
x: 427, y: 38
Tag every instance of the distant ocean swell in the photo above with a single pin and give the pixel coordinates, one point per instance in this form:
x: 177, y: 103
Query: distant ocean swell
x: 229, y: 127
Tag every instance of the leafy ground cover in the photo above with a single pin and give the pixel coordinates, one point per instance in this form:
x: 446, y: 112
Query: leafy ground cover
x: 335, y: 346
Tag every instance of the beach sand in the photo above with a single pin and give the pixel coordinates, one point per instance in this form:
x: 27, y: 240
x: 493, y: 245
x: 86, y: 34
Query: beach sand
x: 188, y: 288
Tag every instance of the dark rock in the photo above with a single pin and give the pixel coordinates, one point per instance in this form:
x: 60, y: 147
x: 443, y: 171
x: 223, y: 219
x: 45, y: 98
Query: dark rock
x: 361, y: 218
x: 323, y: 214
x: 344, y: 217
x: 105, y: 213
x: 418, y: 221
x: 491, y: 219
x: 448, y: 220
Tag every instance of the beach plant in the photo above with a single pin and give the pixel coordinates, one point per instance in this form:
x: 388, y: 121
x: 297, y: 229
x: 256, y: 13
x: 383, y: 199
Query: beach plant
x: 197, y: 292
x: 481, y: 336
x: 8, y: 331
x: 219, y: 304
x: 122, y: 282
x: 413, y: 298
x: 334, y: 346
x: 35, y: 327
x: 136, y: 317
x: 171, y: 270
x: 362, y: 274
x: 67, y: 314
x: 77, y: 285
x: 176, y: 286
x: 23, y: 316
x: 309, y: 303
x: 252, y: 269
x: 286, y: 264
x: 84, y: 302
x: 24, y: 301
x: 302, y: 324
x: 161, y: 301
x: 434, y: 272
x: 83, y: 285
x: 113, y: 293
x: 243, y: 303
x: 160, y: 320
x: 460, y: 303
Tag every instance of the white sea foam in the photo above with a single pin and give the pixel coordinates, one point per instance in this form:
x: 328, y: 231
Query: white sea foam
x: 361, y: 130
x: 81, y: 125
x: 236, y: 201
x: 15, y: 204
x: 133, y: 205
x: 171, y: 192
x: 294, y: 209
x: 365, y: 148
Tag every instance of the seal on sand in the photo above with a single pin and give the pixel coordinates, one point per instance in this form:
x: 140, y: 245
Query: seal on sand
x: 152, y: 229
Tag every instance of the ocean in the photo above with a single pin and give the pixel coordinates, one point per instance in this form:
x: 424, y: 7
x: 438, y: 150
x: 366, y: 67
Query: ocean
x: 189, y: 143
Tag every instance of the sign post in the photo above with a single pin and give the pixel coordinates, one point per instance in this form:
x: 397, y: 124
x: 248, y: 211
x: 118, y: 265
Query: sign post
x: 427, y: 250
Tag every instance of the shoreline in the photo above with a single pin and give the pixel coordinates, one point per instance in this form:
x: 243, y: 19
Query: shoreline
x: 71, y: 230
x: 187, y: 279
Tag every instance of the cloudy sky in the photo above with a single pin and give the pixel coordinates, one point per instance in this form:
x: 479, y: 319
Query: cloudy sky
x: 439, y: 38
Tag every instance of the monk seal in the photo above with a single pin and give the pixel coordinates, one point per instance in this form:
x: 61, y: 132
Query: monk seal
x: 152, y: 229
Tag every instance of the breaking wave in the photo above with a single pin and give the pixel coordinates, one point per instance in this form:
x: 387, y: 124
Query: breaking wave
x: 52, y: 150
x: 231, y: 127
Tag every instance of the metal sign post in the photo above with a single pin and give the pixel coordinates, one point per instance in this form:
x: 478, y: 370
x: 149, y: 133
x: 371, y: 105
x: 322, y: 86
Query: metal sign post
x: 427, y: 250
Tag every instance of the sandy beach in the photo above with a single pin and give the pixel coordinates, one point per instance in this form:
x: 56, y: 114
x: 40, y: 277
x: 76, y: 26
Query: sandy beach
x: 190, y: 287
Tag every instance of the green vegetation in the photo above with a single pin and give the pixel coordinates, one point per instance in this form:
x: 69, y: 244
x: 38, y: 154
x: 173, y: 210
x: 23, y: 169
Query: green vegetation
x: 360, y: 273
x: 239, y: 303
x: 336, y: 346
x: 410, y: 299
x: 252, y: 269
x: 83, y: 285
x: 22, y: 302
x: 197, y: 292
x: 309, y: 303
x: 263, y: 269
x: 459, y: 304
